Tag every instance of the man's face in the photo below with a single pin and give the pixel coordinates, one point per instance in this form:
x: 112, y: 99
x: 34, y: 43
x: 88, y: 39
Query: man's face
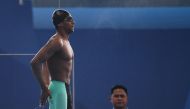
x: 119, y: 99
x: 69, y: 24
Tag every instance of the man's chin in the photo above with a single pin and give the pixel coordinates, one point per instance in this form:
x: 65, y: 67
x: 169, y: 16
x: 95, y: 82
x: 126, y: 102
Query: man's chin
x: 71, y: 31
x: 120, y: 105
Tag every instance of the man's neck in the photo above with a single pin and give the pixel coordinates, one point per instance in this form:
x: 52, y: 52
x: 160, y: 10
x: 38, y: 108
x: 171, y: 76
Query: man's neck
x: 63, y: 34
x: 120, y: 108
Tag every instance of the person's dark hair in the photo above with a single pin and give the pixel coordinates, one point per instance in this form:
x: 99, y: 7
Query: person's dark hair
x: 58, y: 16
x: 119, y: 87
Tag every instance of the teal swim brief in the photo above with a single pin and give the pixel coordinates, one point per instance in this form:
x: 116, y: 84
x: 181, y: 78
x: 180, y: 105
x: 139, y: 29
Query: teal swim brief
x: 58, y: 98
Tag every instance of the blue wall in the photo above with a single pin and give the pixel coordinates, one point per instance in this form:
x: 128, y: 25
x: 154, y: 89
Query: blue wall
x: 119, y: 18
x: 153, y: 64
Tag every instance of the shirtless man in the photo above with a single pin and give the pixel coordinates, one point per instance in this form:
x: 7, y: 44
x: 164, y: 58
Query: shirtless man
x: 52, y: 65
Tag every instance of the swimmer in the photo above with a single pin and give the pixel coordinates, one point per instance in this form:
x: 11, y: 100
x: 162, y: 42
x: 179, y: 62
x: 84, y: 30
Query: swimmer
x: 53, y: 64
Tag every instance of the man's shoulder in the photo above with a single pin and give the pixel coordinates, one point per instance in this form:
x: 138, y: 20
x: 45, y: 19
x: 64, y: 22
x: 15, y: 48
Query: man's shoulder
x: 53, y: 42
x: 53, y: 39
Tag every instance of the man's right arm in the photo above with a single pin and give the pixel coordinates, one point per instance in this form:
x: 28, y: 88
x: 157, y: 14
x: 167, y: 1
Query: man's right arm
x: 38, y: 62
x: 40, y: 59
x: 37, y: 70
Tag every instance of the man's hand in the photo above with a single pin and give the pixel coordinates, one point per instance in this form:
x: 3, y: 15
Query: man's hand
x: 44, y: 95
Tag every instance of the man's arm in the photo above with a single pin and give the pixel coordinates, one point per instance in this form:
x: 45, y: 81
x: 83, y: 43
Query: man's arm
x: 39, y: 67
x: 46, y: 74
x: 40, y: 59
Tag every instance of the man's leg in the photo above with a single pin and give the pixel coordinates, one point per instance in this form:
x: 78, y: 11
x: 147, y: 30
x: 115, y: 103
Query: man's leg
x: 69, y: 97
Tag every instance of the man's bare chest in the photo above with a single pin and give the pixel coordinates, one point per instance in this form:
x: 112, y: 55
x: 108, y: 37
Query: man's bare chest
x: 66, y: 52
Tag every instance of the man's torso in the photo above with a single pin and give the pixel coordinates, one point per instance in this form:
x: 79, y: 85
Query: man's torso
x: 61, y: 62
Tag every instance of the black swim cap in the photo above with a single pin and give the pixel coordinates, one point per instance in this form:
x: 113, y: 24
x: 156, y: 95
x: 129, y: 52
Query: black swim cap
x: 58, y: 16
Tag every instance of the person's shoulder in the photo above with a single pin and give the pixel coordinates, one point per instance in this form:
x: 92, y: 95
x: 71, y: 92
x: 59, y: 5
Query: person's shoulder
x: 53, y: 41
